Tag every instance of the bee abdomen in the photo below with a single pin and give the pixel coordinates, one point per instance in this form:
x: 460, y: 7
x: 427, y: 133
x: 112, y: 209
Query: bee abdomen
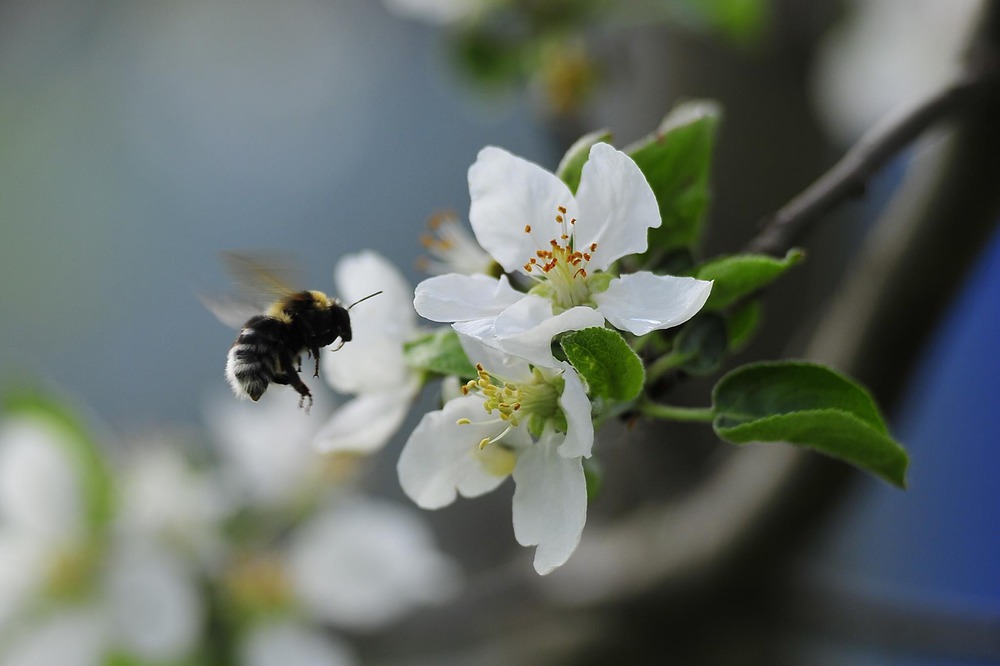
x: 252, y: 362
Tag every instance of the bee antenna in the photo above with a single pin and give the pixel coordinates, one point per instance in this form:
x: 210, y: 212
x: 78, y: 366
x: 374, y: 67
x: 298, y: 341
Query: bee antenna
x: 363, y: 299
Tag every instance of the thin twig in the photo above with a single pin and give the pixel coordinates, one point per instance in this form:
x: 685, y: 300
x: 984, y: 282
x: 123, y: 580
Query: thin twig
x: 849, y: 177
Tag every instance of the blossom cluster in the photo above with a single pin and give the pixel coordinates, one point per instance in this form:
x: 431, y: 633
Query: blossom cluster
x: 525, y: 410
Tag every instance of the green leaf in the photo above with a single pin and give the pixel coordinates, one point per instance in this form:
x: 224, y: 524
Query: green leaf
x: 85, y: 453
x: 572, y: 162
x: 807, y: 405
x: 677, y: 160
x: 742, y: 324
x: 439, y: 352
x: 702, y: 342
x: 605, y: 362
x: 740, y: 275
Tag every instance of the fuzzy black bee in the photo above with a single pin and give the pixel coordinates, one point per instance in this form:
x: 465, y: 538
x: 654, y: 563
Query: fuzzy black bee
x: 269, y: 347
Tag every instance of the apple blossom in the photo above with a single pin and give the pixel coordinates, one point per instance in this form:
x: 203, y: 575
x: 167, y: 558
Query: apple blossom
x: 537, y: 427
x: 533, y: 225
x: 374, y: 369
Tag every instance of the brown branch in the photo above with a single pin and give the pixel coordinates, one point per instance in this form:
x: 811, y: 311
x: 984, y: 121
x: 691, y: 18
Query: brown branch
x: 849, y: 177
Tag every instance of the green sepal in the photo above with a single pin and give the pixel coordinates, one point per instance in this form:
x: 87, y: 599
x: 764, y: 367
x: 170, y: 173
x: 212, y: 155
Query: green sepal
x: 740, y: 275
x: 572, y: 162
x: 96, y: 482
x: 593, y: 474
x: 676, y: 160
x: 605, y: 362
x: 807, y: 405
x: 439, y: 352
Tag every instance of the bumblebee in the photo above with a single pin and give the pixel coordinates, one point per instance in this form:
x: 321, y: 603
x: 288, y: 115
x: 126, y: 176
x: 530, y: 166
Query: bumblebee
x: 269, y: 347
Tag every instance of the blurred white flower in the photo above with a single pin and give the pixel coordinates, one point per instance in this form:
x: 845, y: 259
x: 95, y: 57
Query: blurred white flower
x: 39, y: 485
x: 41, y: 509
x: 371, y: 367
x: 439, y: 12
x: 267, y: 457
x: 68, y: 637
x: 289, y: 642
x: 363, y: 563
x: 165, y: 500
x: 886, y: 54
x: 155, y: 608
x: 537, y: 427
x: 531, y: 223
x: 65, y: 603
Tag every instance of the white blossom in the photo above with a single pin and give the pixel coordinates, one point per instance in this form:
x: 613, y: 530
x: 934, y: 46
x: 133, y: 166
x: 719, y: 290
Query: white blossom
x: 532, y: 224
x: 372, y: 366
x: 532, y: 423
x: 286, y: 641
x: 362, y: 563
x: 454, y: 249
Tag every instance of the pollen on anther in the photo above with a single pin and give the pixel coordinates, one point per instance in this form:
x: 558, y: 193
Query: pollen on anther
x: 527, y: 228
x: 463, y: 421
x: 593, y: 246
x: 561, y: 209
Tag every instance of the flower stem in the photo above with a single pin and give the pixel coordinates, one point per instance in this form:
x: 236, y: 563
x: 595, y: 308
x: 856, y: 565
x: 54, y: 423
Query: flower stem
x: 676, y: 413
x: 663, y: 364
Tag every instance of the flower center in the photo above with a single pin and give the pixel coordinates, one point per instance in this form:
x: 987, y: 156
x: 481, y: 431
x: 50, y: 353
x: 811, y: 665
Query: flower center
x: 533, y: 402
x: 561, y: 266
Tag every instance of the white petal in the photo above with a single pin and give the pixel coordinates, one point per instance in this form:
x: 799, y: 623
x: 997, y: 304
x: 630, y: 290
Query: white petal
x: 526, y: 328
x: 363, y: 563
x: 508, y: 194
x: 442, y: 458
x: 369, y: 364
x: 364, y: 273
x: 479, y: 342
x: 455, y: 297
x: 366, y: 423
x: 77, y: 637
x: 550, y: 503
x: 163, y: 496
x: 25, y: 560
x: 156, y: 607
x: 643, y: 302
x: 580, y: 424
x: 266, y: 447
x: 617, y: 207
x: 289, y: 642
x: 40, y: 487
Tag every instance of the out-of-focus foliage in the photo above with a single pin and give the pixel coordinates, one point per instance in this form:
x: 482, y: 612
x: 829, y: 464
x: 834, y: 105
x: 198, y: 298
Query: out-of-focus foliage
x: 549, y: 44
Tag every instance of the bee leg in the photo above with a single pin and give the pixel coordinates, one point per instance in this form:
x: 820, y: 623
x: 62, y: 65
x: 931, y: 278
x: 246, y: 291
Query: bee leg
x: 296, y: 383
x: 315, y: 354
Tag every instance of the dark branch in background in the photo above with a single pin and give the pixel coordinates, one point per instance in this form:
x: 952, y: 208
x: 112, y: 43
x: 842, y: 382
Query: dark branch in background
x: 849, y: 177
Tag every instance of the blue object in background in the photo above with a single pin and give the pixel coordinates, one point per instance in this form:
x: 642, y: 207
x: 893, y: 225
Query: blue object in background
x: 929, y: 555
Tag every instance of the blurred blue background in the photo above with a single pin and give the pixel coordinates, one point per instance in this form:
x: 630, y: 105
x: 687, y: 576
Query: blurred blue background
x: 138, y: 140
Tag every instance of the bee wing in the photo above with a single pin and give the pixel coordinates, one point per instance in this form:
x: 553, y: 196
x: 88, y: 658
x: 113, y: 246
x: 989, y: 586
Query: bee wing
x: 263, y: 276
x: 232, y: 311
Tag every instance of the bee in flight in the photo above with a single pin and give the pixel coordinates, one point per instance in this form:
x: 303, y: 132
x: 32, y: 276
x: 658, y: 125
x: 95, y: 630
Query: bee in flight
x: 269, y: 347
